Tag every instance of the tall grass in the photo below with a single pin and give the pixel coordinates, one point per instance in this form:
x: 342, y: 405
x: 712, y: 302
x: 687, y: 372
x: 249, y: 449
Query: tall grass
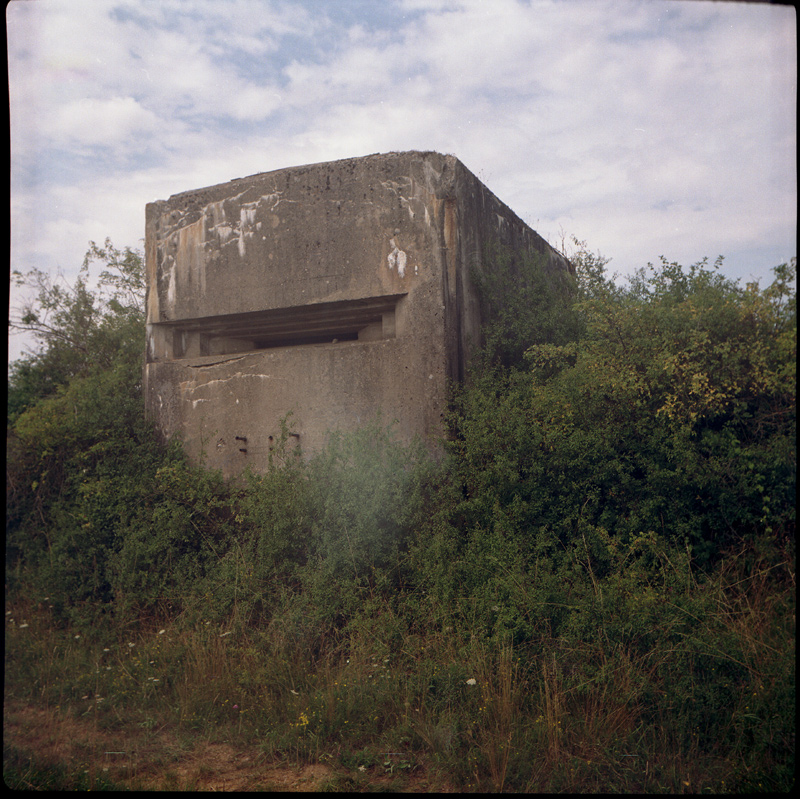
x: 712, y: 710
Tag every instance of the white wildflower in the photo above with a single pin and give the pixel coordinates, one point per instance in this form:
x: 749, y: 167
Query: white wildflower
x: 472, y: 681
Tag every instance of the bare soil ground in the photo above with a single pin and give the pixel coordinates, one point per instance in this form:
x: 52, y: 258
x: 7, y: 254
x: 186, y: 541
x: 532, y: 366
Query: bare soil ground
x: 165, y: 760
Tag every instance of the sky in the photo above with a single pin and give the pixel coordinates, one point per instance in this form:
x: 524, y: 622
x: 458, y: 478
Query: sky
x: 642, y: 127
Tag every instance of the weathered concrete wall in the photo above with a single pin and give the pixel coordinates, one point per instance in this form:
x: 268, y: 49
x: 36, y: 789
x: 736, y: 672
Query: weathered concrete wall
x: 333, y: 291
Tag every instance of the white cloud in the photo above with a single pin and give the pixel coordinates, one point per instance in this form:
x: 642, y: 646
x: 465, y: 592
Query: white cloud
x: 93, y: 121
x: 644, y: 127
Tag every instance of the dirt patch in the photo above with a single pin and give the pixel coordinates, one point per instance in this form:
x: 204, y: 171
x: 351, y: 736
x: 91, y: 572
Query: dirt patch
x: 162, y: 759
x: 149, y: 759
x: 220, y: 767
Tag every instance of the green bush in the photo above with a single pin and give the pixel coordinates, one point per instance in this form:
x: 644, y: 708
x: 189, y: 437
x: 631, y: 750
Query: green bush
x: 673, y: 412
x: 599, y: 574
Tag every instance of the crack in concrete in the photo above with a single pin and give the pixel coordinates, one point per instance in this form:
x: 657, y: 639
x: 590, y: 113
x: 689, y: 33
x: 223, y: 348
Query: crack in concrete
x: 215, y: 363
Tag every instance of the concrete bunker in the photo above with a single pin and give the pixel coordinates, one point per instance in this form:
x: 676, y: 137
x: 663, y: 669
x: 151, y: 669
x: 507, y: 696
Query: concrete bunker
x: 332, y: 291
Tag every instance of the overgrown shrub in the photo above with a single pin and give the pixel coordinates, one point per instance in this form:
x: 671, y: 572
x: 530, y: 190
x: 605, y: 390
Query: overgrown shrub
x: 673, y: 412
x: 593, y: 590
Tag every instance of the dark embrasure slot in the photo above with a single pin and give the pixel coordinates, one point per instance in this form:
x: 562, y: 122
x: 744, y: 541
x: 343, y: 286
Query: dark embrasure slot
x: 369, y: 319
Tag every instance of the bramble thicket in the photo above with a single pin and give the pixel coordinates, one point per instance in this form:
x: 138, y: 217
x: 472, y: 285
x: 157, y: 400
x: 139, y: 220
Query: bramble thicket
x: 591, y: 590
